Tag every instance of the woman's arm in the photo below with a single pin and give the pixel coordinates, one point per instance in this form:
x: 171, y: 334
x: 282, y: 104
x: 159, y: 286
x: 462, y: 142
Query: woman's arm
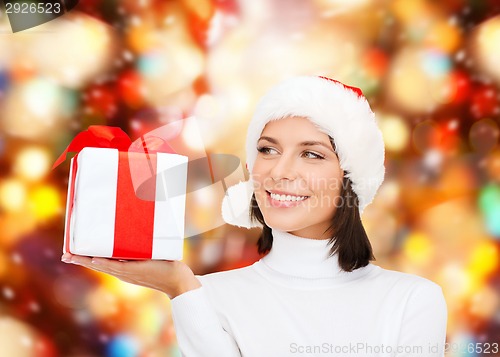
x: 423, y: 331
x: 199, y: 331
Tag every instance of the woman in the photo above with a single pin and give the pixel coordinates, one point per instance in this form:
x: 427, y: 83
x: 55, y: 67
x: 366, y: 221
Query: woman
x: 316, y: 160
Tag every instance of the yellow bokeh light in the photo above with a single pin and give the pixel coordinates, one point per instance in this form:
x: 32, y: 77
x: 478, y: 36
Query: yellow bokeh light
x: 45, y: 202
x: 32, y: 163
x: 141, y: 38
x: 170, y: 69
x: 204, y: 9
x: 483, y: 260
x: 15, y: 225
x: 17, y: 337
x: 418, y: 248
x: 341, y: 5
x: 73, y: 50
x: 389, y: 193
x: 395, y: 132
x: 127, y: 290
x: 444, y: 36
x: 149, y: 321
x: 490, y: 33
x: 102, y: 303
x: 486, y: 45
x: 484, y: 302
x: 456, y: 281
x: 12, y: 195
x: 34, y: 108
x: 418, y: 78
x: 186, y: 251
x: 410, y: 11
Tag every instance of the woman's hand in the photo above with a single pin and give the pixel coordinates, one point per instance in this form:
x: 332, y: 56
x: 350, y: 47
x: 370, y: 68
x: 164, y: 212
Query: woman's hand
x: 172, y: 277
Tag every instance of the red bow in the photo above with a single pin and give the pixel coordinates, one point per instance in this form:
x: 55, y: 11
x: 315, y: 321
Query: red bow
x: 101, y: 136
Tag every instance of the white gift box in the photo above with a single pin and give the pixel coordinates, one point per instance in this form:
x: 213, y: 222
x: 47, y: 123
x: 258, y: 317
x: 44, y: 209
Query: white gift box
x: 139, y: 216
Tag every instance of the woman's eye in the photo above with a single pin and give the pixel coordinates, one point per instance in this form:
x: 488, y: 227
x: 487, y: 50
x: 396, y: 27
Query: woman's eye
x: 311, y: 155
x: 265, y: 150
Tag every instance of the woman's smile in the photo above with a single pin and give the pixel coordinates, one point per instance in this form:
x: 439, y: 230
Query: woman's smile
x: 284, y: 200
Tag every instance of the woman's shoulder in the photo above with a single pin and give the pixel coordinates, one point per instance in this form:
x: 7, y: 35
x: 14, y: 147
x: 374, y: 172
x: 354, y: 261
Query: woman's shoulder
x: 404, y: 281
x: 421, y: 299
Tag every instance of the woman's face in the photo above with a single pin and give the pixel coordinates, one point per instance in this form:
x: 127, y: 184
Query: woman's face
x: 297, y: 178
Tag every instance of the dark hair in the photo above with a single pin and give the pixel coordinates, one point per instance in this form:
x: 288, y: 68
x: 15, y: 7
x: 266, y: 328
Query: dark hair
x: 349, y: 237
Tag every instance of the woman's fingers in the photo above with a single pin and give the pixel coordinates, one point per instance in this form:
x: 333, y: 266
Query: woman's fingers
x: 76, y: 259
x: 98, y: 264
x: 110, y: 266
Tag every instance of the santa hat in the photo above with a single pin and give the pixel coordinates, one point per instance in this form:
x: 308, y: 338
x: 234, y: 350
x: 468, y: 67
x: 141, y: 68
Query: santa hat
x: 338, y: 110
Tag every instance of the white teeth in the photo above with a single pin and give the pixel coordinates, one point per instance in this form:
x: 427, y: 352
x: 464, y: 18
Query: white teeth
x: 287, y: 197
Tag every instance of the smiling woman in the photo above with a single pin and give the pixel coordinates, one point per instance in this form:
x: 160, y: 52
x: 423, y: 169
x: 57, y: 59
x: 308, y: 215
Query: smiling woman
x: 329, y: 206
x: 316, y: 160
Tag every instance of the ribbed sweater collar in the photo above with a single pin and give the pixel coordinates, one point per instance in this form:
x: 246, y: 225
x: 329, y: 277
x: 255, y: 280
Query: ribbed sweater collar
x: 301, y: 257
x: 293, y: 257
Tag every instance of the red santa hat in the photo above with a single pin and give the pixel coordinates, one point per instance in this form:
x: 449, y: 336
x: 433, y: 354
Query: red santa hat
x: 340, y: 111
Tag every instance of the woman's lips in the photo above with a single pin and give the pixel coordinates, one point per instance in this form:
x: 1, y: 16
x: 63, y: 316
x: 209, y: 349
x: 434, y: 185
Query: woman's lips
x: 283, y: 204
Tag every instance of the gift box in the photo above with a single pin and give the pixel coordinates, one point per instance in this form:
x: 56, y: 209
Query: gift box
x: 126, y: 205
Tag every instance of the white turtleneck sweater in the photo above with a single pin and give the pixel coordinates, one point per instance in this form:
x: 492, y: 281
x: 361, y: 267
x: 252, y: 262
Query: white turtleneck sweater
x: 296, y: 301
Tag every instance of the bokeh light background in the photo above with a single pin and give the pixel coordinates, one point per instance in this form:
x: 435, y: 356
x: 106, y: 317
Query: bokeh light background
x: 430, y: 69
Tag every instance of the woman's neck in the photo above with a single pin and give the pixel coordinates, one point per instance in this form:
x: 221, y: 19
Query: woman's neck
x: 304, y: 263
x: 302, y: 257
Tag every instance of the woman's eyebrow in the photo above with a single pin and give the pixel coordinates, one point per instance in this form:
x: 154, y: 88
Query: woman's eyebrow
x: 312, y: 143
x: 268, y: 138
x: 304, y: 143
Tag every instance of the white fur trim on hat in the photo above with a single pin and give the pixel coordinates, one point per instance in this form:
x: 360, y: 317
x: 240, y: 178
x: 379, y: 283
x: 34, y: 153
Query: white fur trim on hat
x: 339, y: 111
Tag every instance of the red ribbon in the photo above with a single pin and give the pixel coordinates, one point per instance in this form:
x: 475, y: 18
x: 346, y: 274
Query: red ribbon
x: 134, y: 220
x: 97, y: 136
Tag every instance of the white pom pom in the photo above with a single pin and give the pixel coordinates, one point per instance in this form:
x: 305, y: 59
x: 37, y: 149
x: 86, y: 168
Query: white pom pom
x: 236, y: 205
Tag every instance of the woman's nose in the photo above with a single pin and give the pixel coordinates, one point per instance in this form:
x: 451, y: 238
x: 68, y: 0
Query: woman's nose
x: 284, y: 168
